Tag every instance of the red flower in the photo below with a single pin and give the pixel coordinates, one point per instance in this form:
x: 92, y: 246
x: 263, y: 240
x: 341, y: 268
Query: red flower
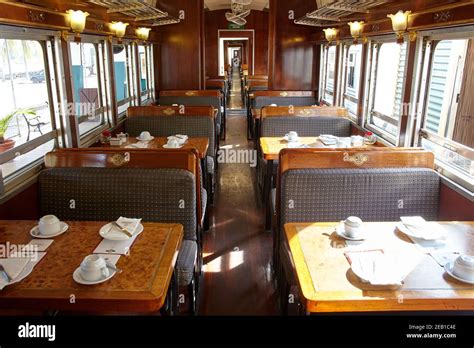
x: 107, y: 133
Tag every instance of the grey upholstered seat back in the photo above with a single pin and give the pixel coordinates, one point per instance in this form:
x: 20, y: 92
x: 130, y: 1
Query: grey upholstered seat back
x: 105, y: 194
x: 305, y: 126
x: 163, y: 126
x: 260, y: 102
x: 382, y: 194
x: 194, y: 101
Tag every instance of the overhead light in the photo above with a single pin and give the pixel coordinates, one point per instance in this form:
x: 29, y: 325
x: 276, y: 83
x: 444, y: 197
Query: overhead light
x: 356, y: 30
x: 119, y: 28
x: 331, y: 34
x: 399, y: 23
x: 143, y: 33
x: 77, y: 21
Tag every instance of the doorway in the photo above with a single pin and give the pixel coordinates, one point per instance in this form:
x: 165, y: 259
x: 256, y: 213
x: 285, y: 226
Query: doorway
x: 240, y: 41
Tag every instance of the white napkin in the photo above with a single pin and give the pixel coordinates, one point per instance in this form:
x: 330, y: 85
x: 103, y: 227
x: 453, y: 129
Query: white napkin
x: 328, y: 139
x: 138, y: 145
x: 180, y: 138
x: 419, y: 228
x: 119, y: 247
x: 128, y: 223
x: 13, y: 266
x: 379, y: 268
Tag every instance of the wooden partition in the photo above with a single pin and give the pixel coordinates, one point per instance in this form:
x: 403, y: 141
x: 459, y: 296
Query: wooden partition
x: 154, y: 110
x: 190, y: 93
x: 374, y: 157
x: 282, y: 94
x: 303, y: 111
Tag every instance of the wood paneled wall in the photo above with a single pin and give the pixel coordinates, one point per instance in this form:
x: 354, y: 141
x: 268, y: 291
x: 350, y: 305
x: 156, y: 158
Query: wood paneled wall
x: 291, y: 50
x: 215, y: 20
x: 182, y: 46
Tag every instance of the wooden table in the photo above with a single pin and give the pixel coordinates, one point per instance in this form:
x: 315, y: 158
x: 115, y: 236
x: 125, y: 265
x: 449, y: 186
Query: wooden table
x: 317, y: 251
x: 200, y: 144
x: 141, y: 287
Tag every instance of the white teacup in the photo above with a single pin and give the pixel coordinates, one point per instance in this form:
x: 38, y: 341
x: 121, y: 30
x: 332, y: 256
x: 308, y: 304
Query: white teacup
x: 94, y: 268
x: 292, y: 136
x: 357, y: 140
x: 464, y: 267
x: 353, y: 227
x: 173, y: 143
x: 49, y: 224
x: 122, y: 135
x: 145, y: 136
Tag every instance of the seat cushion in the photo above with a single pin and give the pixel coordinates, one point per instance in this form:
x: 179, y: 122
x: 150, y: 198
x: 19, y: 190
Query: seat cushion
x: 186, y: 261
x: 155, y: 195
x: 210, y: 164
x: 203, y: 203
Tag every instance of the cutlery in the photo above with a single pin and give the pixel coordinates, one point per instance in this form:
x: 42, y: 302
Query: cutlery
x: 114, y: 223
x: 9, y: 279
x: 112, y: 266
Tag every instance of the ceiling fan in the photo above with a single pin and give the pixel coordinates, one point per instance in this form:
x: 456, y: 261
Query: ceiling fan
x: 238, y: 13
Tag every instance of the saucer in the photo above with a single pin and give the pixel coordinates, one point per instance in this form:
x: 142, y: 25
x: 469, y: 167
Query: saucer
x: 166, y: 146
x: 78, y: 278
x: 34, y: 232
x: 341, y: 233
x: 449, y: 269
x: 147, y: 140
x: 291, y: 141
x: 117, y: 235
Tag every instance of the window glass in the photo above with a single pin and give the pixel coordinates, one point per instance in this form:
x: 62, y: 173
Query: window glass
x: 144, y: 60
x: 330, y: 74
x: 387, y: 78
x: 353, y: 71
x: 86, y: 86
x: 448, y: 111
x: 122, y: 65
x: 26, y: 122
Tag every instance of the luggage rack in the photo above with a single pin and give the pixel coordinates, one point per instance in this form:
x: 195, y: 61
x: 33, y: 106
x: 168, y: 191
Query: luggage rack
x: 138, y: 11
x: 334, y: 12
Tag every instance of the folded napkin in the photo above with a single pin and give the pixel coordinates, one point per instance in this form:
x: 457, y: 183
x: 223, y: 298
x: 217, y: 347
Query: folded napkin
x: 118, y: 247
x: 327, y: 139
x: 419, y: 228
x: 295, y: 145
x: 128, y: 223
x: 13, y: 266
x: 377, y: 269
x: 138, y: 145
x: 180, y: 138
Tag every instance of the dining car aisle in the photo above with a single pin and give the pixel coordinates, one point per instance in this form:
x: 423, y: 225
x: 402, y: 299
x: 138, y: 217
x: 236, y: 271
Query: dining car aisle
x: 237, y: 273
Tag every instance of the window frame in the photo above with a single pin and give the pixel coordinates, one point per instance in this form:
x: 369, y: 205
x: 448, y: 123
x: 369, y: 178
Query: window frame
x: 374, y: 44
x: 324, y: 76
x: 429, y: 40
x: 104, y: 89
x: 131, y: 77
x: 148, y: 93
x: 344, y: 78
x: 50, y: 44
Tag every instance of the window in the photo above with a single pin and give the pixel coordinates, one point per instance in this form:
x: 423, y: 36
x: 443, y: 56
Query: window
x: 328, y: 74
x: 27, y: 110
x: 447, y: 124
x: 146, y: 72
x: 124, y: 76
x: 89, y: 87
x: 352, y: 75
x: 387, y: 76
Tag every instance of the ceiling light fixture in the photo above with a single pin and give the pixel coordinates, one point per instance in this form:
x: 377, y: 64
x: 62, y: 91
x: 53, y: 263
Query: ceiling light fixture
x: 331, y: 34
x: 119, y: 28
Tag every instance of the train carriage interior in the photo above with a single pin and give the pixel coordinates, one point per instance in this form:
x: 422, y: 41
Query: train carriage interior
x: 237, y: 158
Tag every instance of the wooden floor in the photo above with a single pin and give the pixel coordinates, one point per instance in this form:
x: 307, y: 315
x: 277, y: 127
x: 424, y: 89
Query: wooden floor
x: 237, y: 269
